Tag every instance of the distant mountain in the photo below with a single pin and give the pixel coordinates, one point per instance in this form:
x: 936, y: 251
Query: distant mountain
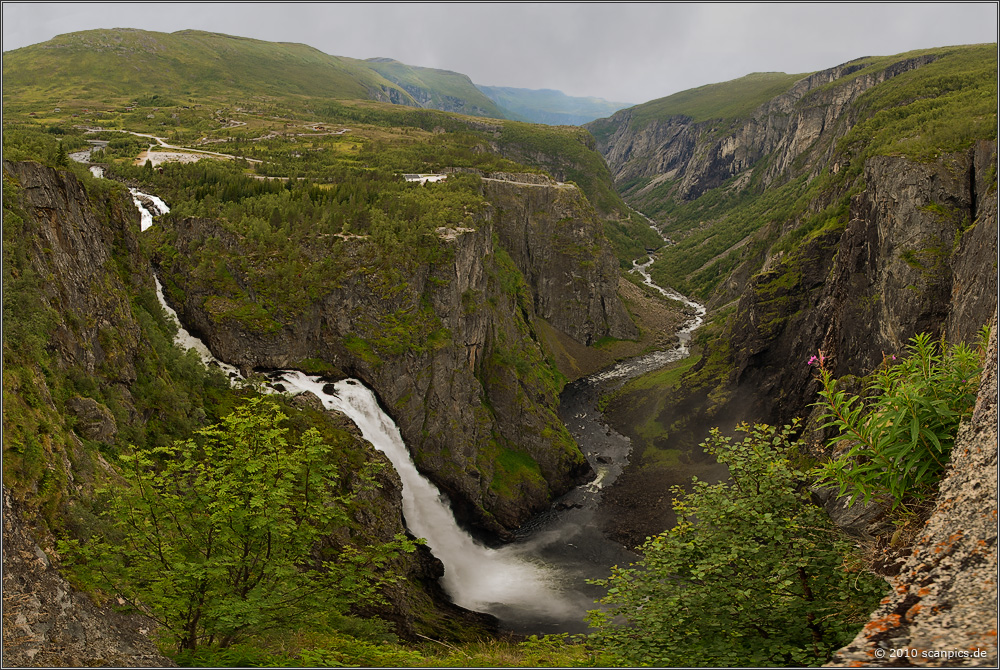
x: 550, y: 107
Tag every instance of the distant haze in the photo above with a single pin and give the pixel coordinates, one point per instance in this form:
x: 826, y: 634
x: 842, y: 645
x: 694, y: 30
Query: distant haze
x: 621, y: 51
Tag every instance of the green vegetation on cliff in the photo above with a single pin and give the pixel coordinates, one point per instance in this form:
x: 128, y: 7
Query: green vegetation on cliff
x: 66, y: 365
x: 939, y: 106
x: 723, y: 102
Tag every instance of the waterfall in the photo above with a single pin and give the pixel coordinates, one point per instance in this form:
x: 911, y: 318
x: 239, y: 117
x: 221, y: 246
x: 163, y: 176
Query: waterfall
x: 476, y: 577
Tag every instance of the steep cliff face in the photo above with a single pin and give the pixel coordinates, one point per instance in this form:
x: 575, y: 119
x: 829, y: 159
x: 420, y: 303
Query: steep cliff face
x: 918, y: 255
x: 48, y: 623
x: 70, y: 270
x: 450, y: 346
x: 73, y: 243
x: 830, y: 217
x: 807, y: 119
x: 556, y: 240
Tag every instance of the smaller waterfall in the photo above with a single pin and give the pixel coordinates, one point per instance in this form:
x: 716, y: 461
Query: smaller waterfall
x: 148, y: 206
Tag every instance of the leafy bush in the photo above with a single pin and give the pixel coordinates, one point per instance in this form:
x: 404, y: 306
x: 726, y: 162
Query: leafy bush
x: 218, y: 539
x: 900, y: 437
x: 753, y: 574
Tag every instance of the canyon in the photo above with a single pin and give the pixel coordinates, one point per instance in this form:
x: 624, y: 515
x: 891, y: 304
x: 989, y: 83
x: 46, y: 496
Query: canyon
x: 474, y: 334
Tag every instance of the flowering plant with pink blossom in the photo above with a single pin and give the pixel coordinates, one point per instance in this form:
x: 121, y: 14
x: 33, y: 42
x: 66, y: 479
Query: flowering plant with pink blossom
x: 898, y: 437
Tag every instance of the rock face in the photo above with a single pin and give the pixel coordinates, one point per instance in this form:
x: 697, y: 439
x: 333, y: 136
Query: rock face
x: 918, y: 255
x: 73, y: 239
x: 78, y: 249
x: 48, y: 623
x: 556, y: 240
x: 809, y: 117
x: 471, y: 393
x: 945, y: 597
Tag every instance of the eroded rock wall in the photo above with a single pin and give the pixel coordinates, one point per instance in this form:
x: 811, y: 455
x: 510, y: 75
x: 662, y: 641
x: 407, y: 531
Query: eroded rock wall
x: 918, y: 255
x: 557, y: 242
x: 809, y: 117
x: 47, y: 623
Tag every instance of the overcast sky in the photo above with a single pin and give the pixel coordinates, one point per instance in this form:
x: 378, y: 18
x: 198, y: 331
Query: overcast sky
x: 622, y: 52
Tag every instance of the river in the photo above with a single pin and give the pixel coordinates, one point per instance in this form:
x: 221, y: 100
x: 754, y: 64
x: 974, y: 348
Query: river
x: 536, y: 584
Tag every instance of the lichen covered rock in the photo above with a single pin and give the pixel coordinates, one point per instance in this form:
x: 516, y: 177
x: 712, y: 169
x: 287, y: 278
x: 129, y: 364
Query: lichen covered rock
x: 945, y: 597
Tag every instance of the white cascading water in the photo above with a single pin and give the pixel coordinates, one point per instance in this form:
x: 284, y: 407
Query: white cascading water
x: 476, y: 577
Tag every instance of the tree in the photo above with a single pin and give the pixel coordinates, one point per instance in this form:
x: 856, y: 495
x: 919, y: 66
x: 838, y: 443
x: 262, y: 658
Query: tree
x: 753, y: 574
x: 62, y: 155
x: 221, y: 537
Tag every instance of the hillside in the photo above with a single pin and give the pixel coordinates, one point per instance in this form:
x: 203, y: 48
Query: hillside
x: 101, y: 68
x: 719, y: 163
x: 294, y: 240
x: 550, y: 107
x: 437, y: 89
x: 324, y: 217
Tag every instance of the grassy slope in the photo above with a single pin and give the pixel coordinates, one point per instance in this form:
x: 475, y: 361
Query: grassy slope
x: 724, y: 101
x: 940, y: 107
x: 122, y: 64
x: 437, y: 83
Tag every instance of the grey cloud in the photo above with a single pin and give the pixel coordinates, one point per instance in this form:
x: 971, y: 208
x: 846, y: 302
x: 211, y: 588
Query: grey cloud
x: 620, y: 51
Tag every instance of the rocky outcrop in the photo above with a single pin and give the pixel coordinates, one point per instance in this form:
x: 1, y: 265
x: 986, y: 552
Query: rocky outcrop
x: 557, y: 242
x: 450, y: 348
x: 78, y: 278
x: 73, y: 241
x: 47, y: 623
x: 942, y: 610
x: 808, y: 118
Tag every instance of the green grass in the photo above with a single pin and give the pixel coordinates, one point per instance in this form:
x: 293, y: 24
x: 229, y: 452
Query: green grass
x: 939, y: 107
x: 723, y: 102
x: 106, y: 68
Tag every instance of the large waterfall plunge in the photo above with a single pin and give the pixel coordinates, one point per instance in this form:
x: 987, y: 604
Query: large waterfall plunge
x: 476, y: 577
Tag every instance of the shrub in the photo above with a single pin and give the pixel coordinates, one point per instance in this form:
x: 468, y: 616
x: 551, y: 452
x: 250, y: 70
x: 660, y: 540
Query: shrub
x: 752, y: 574
x: 900, y: 436
x: 219, y: 538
